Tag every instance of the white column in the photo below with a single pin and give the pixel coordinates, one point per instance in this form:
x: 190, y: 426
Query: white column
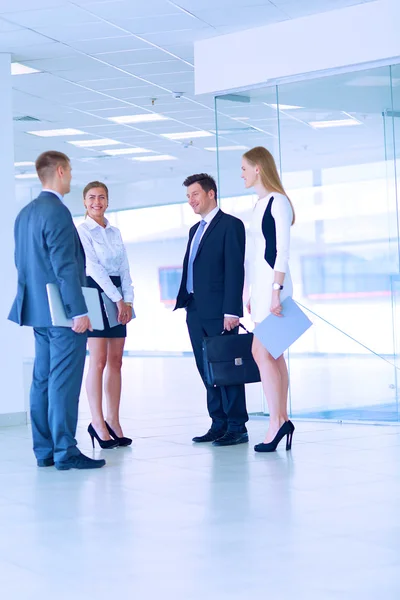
x: 12, y: 401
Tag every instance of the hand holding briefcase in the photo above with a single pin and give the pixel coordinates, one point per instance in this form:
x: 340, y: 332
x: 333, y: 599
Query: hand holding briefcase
x: 228, y: 359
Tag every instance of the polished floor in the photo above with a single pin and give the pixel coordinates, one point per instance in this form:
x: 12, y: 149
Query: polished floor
x: 167, y: 519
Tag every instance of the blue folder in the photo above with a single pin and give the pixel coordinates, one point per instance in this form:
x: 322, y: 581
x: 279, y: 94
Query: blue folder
x: 278, y: 333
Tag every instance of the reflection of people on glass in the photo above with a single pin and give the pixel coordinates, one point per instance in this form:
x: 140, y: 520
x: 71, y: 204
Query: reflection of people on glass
x: 107, y: 269
x: 270, y: 282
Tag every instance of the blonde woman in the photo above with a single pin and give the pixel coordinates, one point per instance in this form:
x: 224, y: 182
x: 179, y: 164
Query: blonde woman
x: 270, y: 281
x: 107, y: 270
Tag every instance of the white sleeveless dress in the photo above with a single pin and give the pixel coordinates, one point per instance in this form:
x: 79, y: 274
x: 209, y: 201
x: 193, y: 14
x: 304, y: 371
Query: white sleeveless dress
x: 268, y: 251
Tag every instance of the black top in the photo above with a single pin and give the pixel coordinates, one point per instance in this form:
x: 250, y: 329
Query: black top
x: 269, y: 233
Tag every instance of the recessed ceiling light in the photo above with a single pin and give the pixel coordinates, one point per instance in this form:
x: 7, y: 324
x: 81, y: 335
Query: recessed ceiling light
x: 121, y: 151
x: 154, y: 158
x: 187, y: 135
x: 283, y: 106
x: 94, y: 143
x: 144, y: 118
x: 26, y: 163
x: 56, y: 132
x: 334, y: 123
x: 227, y: 148
x: 18, y: 69
x: 26, y: 176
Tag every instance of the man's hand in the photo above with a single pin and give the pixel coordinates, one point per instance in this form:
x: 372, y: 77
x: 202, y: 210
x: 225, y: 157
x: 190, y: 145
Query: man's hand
x: 81, y: 324
x: 230, y: 323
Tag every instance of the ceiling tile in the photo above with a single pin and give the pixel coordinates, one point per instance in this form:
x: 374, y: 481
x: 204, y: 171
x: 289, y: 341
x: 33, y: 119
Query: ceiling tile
x: 39, y: 51
x: 184, y: 36
x: 131, y: 9
x: 15, y: 41
x: 74, y: 61
x: 48, y: 17
x: 197, y: 5
x: 4, y: 26
x: 151, y: 70
x: 7, y: 6
x: 159, y: 23
x: 134, y: 57
x: 98, y: 44
x: 240, y: 18
x: 80, y: 31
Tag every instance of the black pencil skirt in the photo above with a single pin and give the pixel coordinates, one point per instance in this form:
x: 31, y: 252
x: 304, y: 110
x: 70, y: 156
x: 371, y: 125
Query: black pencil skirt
x: 108, y: 332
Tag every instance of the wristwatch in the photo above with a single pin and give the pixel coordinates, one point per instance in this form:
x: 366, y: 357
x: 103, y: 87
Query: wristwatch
x: 129, y: 304
x: 277, y: 286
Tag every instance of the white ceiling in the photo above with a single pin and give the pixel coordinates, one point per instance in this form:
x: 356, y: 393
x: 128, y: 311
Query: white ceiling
x: 105, y: 58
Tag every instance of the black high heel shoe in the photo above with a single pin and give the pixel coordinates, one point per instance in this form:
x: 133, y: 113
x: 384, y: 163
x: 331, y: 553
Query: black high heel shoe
x: 121, y: 441
x: 287, y: 429
x: 104, y: 444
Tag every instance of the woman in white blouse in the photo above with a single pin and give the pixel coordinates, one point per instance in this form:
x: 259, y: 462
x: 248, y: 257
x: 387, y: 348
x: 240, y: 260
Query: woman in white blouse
x: 107, y: 269
x: 270, y: 282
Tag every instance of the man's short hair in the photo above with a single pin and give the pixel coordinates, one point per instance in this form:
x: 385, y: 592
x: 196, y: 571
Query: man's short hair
x: 47, y: 163
x: 206, y: 181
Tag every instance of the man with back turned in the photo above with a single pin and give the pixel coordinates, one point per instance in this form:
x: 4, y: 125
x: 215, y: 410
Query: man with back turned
x: 48, y: 250
x: 211, y: 291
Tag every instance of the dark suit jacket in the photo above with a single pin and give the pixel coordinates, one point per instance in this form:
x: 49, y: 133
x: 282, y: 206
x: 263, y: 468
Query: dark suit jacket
x: 47, y: 250
x: 218, y: 269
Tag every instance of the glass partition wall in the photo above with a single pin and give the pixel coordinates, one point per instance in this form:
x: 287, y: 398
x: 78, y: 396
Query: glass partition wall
x: 336, y: 142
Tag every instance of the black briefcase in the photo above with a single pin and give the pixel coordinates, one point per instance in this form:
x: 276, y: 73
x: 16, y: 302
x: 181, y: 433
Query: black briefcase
x: 228, y: 359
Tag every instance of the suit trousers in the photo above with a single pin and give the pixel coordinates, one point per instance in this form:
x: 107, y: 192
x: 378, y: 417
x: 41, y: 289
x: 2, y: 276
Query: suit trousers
x: 57, y: 379
x: 226, y: 405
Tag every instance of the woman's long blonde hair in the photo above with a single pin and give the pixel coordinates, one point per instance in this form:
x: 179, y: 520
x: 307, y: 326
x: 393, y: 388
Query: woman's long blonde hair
x: 270, y: 179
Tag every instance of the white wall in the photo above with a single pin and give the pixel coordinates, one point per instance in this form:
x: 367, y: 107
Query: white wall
x: 351, y: 36
x: 12, y: 402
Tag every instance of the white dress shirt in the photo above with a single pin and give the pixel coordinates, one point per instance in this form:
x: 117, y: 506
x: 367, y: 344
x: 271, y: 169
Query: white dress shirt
x: 208, y: 218
x: 55, y: 193
x: 106, y: 257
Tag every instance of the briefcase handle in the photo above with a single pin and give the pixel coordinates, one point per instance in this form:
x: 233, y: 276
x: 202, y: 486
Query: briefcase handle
x: 240, y: 325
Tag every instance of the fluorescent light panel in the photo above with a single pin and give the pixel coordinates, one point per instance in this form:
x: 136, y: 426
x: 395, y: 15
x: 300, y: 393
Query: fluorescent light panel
x: 26, y: 176
x: 19, y: 69
x: 154, y: 158
x: 225, y: 148
x: 94, y: 143
x: 122, y: 151
x: 26, y: 163
x: 334, y: 123
x: 57, y: 132
x: 144, y: 118
x: 283, y: 106
x: 187, y: 135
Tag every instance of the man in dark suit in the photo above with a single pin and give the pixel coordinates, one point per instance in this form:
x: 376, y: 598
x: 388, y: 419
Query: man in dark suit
x: 211, y: 291
x: 48, y: 250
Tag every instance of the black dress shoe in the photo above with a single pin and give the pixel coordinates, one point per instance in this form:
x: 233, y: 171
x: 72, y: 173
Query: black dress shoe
x: 232, y: 438
x: 45, y: 462
x: 210, y: 436
x: 80, y: 462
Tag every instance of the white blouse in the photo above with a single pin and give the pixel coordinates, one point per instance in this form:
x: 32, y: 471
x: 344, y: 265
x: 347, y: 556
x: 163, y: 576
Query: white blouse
x: 105, y: 257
